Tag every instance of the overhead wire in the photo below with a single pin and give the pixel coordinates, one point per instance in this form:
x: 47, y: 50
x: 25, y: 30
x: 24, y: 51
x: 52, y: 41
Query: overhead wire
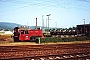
x: 84, y: 1
x: 49, y: 3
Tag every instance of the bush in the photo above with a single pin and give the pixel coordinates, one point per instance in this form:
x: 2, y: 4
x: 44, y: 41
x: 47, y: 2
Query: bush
x: 57, y: 39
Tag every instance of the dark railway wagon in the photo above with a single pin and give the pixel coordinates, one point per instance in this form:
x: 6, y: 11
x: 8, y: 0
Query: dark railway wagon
x: 83, y: 29
x: 72, y: 32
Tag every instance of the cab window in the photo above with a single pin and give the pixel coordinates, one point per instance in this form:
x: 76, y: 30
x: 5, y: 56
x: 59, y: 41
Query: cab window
x: 26, y: 32
x: 22, y: 31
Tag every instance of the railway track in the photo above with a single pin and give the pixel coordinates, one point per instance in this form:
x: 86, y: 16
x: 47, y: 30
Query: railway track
x: 74, y: 56
x: 46, y: 52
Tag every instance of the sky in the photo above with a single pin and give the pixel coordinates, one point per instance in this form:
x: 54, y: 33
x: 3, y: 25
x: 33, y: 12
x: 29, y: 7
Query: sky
x: 64, y: 13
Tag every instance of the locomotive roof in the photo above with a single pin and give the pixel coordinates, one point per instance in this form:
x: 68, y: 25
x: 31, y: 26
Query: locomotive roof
x: 83, y: 24
x: 24, y: 28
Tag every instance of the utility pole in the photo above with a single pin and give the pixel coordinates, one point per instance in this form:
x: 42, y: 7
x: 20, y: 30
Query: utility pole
x: 55, y: 25
x: 84, y: 26
x: 48, y: 21
x: 42, y: 23
x: 27, y: 24
x: 46, y: 24
x: 72, y: 27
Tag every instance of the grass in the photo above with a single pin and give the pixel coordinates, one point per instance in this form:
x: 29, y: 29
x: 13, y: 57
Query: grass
x: 7, y: 35
x: 33, y: 43
x: 74, y: 42
x: 17, y: 43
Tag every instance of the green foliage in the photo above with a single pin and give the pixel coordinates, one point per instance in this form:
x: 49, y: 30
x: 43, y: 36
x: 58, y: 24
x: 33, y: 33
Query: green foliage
x: 6, y: 29
x: 70, y: 28
x: 57, y: 39
x: 74, y: 28
x: 49, y: 39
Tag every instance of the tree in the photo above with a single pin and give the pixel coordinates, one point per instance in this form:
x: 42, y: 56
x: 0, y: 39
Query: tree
x: 74, y: 28
x: 70, y: 28
x: 6, y: 29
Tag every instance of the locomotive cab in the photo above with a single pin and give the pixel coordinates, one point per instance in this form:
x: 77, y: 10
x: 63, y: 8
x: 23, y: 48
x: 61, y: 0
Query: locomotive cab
x: 16, y: 34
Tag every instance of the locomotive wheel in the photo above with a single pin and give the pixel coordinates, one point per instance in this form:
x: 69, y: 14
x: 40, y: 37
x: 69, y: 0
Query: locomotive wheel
x: 33, y: 39
x: 37, y: 40
x: 16, y: 39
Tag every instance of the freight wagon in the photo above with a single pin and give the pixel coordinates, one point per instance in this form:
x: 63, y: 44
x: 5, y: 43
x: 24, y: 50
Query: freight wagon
x: 81, y: 30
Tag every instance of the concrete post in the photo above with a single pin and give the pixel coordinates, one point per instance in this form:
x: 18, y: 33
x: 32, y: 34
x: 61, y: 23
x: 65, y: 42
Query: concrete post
x: 39, y: 40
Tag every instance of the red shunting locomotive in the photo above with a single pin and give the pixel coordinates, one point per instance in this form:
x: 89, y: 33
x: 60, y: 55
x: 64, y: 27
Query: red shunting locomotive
x: 25, y: 34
